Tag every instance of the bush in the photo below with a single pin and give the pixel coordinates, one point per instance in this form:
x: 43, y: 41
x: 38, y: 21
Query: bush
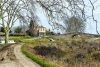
x: 80, y: 57
x: 96, y: 56
x: 38, y: 60
x: 18, y: 30
x: 49, y: 51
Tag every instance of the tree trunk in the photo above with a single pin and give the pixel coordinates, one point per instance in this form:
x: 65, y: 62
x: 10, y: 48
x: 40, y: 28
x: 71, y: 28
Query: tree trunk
x: 6, y: 37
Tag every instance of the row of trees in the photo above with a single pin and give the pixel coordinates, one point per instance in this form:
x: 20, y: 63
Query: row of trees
x: 16, y: 30
x: 73, y: 24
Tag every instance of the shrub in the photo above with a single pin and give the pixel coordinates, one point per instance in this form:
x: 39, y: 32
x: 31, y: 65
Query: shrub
x: 80, y: 57
x: 35, y: 58
x: 49, y: 51
x: 96, y: 56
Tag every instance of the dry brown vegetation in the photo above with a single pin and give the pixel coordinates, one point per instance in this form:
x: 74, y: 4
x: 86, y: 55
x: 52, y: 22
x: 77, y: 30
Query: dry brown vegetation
x: 76, y: 52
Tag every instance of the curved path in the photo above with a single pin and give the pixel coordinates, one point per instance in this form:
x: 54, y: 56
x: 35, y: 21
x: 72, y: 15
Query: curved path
x: 19, y: 59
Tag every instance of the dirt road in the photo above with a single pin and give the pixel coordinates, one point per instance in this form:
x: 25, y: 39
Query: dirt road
x: 12, y: 57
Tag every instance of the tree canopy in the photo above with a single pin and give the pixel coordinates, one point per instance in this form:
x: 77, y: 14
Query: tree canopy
x: 74, y: 24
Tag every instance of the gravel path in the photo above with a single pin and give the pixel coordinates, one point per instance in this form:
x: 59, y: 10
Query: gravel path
x: 13, y: 57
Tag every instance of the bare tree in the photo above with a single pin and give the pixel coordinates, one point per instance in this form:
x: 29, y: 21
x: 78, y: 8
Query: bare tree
x: 74, y: 25
x: 33, y: 28
x: 92, y: 11
x: 10, y: 12
x: 56, y: 10
x: 15, y: 10
x: 61, y: 9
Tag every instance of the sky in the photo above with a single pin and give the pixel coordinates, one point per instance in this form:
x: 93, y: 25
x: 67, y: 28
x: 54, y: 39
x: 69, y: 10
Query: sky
x: 90, y: 25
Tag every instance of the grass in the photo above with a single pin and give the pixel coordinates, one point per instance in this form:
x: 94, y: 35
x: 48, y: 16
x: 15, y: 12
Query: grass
x: 35, y: 58
x: 44, y: 40
x: 78, y: 51
x: 19, y: 37
x: 37, y: 42
x: 42, y: 62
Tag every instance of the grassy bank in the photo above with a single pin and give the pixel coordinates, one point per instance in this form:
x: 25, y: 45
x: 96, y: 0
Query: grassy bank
x: 35, y: 58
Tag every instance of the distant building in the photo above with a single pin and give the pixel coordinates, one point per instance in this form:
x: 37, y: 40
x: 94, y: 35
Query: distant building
x: 37, y: 31
x: 41, y: 31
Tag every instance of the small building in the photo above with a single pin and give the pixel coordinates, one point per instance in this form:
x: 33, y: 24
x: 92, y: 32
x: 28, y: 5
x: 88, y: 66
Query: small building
x: 37, y: 31
x: 41, y: 31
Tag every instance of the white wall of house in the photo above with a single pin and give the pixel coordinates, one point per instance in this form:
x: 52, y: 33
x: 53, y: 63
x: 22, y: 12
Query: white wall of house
x: 42, y: 29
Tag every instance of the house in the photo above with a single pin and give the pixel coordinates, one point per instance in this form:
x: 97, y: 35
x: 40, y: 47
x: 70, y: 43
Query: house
x: 37, y: 31
x: 41, y: 31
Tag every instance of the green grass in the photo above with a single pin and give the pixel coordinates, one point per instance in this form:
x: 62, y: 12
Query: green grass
x: 21, y: 38
x: 35, y: 58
